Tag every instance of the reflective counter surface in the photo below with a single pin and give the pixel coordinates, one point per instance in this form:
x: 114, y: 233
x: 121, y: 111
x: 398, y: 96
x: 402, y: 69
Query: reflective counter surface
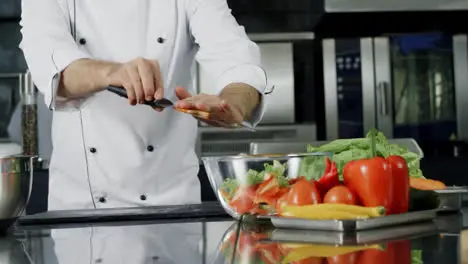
x: 222, y: 240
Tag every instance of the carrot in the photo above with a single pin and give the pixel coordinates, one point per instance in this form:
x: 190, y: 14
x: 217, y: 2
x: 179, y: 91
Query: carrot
x: 426, y: 184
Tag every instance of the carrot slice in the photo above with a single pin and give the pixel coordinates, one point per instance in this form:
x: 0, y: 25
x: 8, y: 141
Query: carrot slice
x: 426, y: 184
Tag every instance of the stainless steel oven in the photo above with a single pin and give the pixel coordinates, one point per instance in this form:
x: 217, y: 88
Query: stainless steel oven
x: 412, y: 85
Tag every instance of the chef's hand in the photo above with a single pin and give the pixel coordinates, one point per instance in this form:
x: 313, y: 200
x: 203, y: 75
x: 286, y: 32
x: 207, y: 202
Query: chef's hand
x: 140, y: 77
x: 222, y: 112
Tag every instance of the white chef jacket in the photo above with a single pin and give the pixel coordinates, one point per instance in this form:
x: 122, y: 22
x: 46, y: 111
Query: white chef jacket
x: 107, y: 153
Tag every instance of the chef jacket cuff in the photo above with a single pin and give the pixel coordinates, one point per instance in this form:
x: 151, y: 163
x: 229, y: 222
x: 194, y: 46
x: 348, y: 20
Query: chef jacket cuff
x: 251, y: 75
x: 61, y: 59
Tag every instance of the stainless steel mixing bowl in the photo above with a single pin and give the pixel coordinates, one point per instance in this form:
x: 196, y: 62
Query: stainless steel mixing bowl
x: 15, y: 187
x: 224, y: 169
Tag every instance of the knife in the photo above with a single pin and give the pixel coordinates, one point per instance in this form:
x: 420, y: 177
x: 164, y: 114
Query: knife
x: 166, y: 103
x: 162, y: 103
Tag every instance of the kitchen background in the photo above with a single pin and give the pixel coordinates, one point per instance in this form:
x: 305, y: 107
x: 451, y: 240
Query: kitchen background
x: 339, y: 68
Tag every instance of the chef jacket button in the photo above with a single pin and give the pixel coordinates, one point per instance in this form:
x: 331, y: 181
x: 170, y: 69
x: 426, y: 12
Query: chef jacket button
x: 102, y: 199
x: 143, y: 197
x: 160, y: 40
x: 92, y: 150
x: 150, y: 148
x: 83, y: 41
x: 99, y: 260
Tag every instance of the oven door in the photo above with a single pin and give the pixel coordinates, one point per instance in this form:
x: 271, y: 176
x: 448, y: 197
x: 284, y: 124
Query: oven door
x: 421, y: 86
x: 407, y: 86
x: 344, y: 62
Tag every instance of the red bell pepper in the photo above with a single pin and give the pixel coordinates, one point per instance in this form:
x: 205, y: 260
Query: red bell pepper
x: 401, y: 250
x: 371, y: 180
x: 401, y: 185
x: 329, y: 178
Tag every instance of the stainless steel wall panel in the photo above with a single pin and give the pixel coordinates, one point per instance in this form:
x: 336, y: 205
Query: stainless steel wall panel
x: 330, y: 89
x: 368, y: 84
x: 460, y: 65
x: 383, y: 80
x: 332, y: 6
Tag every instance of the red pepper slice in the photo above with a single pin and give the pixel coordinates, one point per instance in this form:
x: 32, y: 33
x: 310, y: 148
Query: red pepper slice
x: 242, y: 201
x: 330, y: 178
x: 269, y: 188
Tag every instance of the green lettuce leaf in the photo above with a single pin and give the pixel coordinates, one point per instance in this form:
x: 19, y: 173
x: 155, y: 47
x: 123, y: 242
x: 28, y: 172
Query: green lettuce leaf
x: 346, y: 150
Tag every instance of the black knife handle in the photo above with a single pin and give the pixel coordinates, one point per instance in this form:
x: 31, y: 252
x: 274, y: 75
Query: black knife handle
x: 120, y: 91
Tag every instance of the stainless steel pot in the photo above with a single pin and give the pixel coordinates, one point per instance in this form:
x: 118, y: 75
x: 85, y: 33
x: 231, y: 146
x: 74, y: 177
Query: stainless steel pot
x: 15, y: 187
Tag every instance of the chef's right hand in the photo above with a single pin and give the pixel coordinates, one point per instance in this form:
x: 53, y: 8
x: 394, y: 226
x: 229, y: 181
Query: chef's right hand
x: 140, y: 77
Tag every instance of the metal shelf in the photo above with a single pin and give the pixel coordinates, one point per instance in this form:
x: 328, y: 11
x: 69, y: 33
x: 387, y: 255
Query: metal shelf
x: 281, y: 37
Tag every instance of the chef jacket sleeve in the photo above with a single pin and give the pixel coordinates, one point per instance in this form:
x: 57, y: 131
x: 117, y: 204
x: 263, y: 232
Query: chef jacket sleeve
x: 48, y: 48
x: 225, y: 51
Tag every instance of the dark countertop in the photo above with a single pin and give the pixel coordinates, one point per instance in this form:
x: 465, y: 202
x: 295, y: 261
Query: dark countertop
x: 171, y: 235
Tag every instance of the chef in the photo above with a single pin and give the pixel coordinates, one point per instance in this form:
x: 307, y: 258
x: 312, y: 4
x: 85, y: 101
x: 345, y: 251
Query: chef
x: 112, y: 152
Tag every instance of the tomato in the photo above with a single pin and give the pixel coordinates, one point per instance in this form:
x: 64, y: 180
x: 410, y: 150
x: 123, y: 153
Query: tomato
x: 401, y: 185
x: 340, y: 195
x: 371, y: 180
x: 350, y: 258
x: 303, y: 192
x: 293, y: 181
x: 330, y: 177
x: 242, y: 201
x: 311, y: 260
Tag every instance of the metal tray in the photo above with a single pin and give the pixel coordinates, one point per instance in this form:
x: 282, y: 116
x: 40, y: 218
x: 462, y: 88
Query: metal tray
x: 451, y: 198
x: 354, y: 238
x: 354, y: 225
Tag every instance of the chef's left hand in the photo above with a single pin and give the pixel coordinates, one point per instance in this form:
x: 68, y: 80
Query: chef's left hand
x: 222, y: 112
